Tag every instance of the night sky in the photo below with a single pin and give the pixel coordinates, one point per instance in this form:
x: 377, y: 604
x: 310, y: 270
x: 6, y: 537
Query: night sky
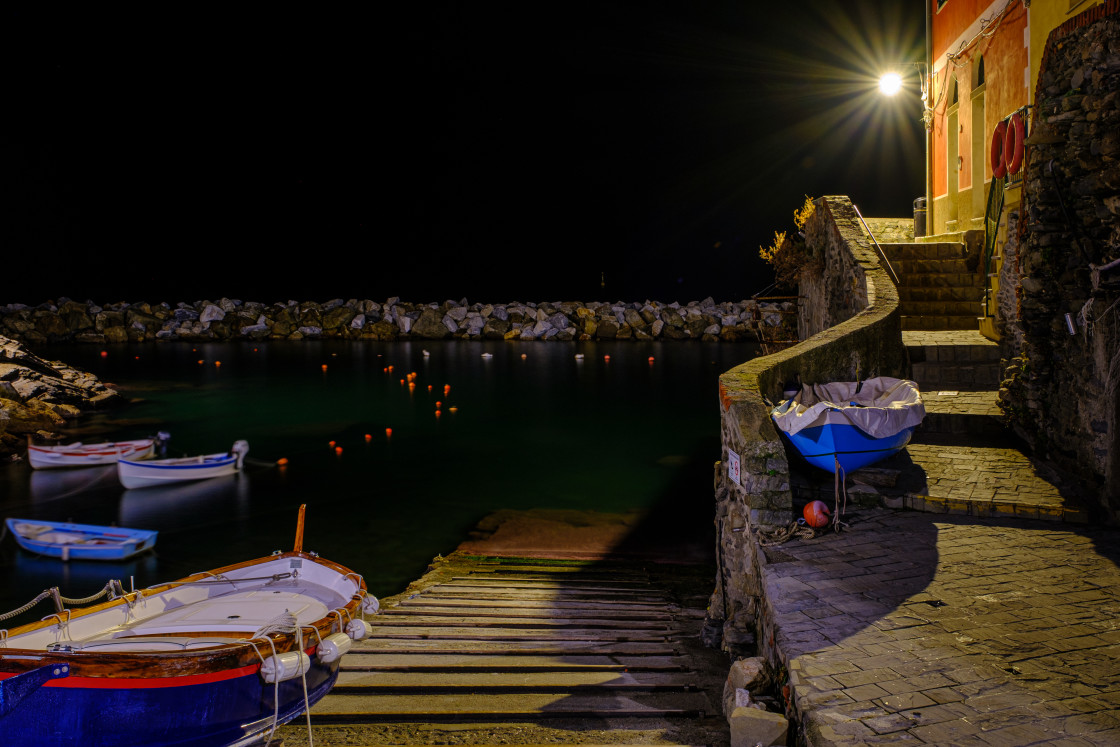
x: 493, y: 151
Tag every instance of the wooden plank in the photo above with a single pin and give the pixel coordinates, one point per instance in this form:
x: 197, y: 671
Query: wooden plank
x: 513, y: 621
x: 560, y: 595
x: 530, y: 706
x: 494, y: 634
x: 450, y: 682
x: 615, y: 589
x: 528, y: 604
x: 512, y: 648
x: 372, y: 661
x: 527, y: 613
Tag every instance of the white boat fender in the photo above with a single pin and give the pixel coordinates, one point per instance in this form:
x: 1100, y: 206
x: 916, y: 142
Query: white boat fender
x: 333, y: 647
x: 281, y: 667
x: 370, y: 605
x: 359, y: 630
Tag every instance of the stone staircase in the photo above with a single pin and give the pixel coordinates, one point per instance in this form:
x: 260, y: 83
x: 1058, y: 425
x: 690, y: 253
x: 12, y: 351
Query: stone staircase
x: 941, y: 285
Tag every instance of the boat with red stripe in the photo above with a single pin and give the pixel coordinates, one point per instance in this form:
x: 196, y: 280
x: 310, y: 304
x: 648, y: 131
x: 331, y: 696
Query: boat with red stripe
x: 221, y: 657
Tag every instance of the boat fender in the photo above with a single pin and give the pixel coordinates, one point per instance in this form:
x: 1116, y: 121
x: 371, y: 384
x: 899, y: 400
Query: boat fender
x: 334, y: 647
x: 359, y: 630
x: 370, y: 605
x: 281, y: 667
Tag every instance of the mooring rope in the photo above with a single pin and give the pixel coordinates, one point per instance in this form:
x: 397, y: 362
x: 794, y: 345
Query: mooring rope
x: 48, y: 593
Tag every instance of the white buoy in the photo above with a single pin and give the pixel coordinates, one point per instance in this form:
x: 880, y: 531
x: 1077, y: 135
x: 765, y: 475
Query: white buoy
x: 334, y: 647
x: 285, y: 666
x: 370, y: 605
x: 359, y: 630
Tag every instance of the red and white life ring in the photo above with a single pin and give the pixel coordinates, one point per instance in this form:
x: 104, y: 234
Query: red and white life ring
x: 999, y: 168
x: 1013, y: 144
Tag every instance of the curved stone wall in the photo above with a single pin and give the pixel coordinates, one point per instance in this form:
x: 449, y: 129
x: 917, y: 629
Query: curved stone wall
x: 867, y: 344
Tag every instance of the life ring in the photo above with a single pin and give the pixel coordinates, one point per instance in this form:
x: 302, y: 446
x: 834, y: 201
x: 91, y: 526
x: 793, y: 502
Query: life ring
x: 999, y: 168
x: 1013, y: 144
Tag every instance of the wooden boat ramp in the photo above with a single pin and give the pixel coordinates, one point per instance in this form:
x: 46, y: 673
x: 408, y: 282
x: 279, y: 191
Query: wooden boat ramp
x: 528, y: 651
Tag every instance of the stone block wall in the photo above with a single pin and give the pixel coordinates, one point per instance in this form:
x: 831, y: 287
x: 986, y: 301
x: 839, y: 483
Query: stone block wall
x: 1061, y: 389
x: 865, y: 343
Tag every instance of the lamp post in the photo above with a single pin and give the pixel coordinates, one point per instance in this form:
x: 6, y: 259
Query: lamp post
x: 889, y: 85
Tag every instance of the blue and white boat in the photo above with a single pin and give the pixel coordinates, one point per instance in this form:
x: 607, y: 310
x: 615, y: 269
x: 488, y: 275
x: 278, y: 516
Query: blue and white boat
x: 152, y: 472
x: 67, y: 541
x: 848, y: 425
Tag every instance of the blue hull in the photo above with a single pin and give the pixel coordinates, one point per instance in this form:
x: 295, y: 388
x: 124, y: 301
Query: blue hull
x: 65, y: 712
x: 825, y: 445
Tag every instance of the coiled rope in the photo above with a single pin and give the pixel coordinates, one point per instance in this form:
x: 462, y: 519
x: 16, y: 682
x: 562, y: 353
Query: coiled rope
x: 108, y: 589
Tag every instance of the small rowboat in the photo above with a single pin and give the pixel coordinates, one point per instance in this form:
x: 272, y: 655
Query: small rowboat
x: 56, y: 539
x: 87, y: 455
x: 151, y: 472
x: 221, y: 657
x: 848, y: 425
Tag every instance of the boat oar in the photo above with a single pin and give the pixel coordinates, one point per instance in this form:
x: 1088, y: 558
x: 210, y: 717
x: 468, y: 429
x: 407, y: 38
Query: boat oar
x: 299, y: 529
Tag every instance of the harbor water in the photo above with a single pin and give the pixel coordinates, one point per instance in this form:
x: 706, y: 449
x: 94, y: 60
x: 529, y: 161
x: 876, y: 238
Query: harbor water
x: 398, y: 449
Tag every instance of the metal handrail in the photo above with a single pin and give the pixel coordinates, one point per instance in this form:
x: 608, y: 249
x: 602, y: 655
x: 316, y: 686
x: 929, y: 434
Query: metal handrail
x: 882, y: 254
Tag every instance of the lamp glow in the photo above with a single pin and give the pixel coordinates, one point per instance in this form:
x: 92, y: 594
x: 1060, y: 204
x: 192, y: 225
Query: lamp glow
x: 890, y: 84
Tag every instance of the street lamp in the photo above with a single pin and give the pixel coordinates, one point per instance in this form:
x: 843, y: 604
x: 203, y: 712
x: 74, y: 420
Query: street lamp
x: 889, y: 85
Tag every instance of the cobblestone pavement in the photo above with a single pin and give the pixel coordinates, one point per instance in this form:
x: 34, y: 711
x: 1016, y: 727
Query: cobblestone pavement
x: 950, y: 630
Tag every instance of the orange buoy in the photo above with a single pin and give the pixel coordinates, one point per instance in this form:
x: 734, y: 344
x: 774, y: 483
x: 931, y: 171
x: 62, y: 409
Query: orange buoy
x: 429, y: 387
x: 607, y: 358
x: 523, y: 356
x: 338, y: 450
x: 104, y: 353
x: 388, y: 432
x: 324, y: 366
x: 438, y: 403
x: 331, y: 444
x: 282, y: 462
x: 437, y: 413
x: 453, y: 410
x: 1013, y: 144
x: 412, y: 386
x: 999, y: 164
x: 817, y: 514
x: 446, y: 389
x: 201, y: 362
x: 369, y: 437
x: 218, y: 364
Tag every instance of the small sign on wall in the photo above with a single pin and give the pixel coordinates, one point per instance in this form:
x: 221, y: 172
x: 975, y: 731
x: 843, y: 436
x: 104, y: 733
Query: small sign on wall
x: 733, y: 467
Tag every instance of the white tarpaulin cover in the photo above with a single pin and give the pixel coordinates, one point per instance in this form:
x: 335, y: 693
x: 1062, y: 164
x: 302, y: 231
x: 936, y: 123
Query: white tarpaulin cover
x: 881, y: 408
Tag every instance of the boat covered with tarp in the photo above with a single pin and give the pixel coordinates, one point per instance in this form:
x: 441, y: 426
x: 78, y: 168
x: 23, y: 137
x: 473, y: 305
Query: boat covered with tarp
x: 843, y: 426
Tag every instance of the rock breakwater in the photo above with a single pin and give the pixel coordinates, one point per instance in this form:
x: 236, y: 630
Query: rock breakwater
x: 229, y: 319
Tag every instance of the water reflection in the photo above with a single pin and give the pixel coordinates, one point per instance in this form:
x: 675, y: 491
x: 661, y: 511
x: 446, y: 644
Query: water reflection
x: 179, y: 505
x: 57, y: 484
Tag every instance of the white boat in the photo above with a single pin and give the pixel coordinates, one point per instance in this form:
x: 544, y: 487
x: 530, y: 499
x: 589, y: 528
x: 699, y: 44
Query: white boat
x: 90, y: 455
x: 151, y: 472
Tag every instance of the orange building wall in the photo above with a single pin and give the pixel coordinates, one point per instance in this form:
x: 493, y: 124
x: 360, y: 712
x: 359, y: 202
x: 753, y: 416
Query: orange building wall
x: 1005, y: 56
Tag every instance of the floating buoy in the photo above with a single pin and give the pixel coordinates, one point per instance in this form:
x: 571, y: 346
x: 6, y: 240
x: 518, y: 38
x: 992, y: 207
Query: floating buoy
x: 651, y: 359
x: 369, y: 437
x: 390, y: 368
x: 412, y: 386
x: 453, y: 409
x: 523, y: 356
x: 324, y: 366
x: 282, y: 462
x: 201, y: 362
x: 487, y: 355
x: 136, y: 358
x: 438, y: 403
x: 446, y: 389
x: 817, y: 514
x: 104, y: 353
x: 331, y: 444
x: 254, y: 350
x: 426, y: 353
x: 438, y: 413
x: 579, y: 356
x: 338, y: 450
x: 217, y: 364
x: 607, y: 358
x: 429, y: 387
x: 402, y: 382
x: 388, y: 432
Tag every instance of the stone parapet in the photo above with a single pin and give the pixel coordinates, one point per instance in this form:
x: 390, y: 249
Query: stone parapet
x: 753, y: 483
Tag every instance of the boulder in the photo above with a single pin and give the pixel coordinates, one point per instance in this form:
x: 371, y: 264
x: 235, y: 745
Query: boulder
x: 429, y: 325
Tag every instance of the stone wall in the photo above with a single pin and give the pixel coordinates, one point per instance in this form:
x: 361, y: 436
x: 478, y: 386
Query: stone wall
x: 228, y: 319
x: 1061, y: 391
x: 866, y: 344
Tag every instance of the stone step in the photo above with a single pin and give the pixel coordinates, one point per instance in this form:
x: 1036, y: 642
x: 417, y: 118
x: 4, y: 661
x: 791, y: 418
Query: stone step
x: 918, y: 266
x: 908, y: 293
x: 971, y: 308
x: 937, y: 323
x: 960, y: 412
x: 941, y: 280
x: 940, y: 250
